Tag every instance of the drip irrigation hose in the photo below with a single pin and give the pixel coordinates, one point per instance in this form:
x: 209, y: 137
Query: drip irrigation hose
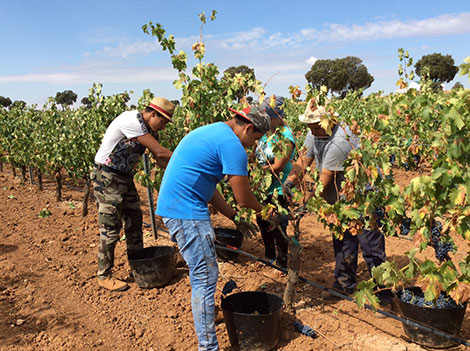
x: 345, y: 297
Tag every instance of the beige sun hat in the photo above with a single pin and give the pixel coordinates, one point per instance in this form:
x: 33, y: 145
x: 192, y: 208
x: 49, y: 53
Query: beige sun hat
x: 163, y: 106
x: 313, y: 113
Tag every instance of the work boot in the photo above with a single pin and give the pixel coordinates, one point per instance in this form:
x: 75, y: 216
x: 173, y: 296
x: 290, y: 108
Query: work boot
x: 113, y: 284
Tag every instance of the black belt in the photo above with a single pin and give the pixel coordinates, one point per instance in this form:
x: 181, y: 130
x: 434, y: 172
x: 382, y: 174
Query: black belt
x: 109, y: 169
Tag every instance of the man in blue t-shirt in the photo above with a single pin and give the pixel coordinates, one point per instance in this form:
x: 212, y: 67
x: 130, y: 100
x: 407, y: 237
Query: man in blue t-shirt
x: 201, y: 160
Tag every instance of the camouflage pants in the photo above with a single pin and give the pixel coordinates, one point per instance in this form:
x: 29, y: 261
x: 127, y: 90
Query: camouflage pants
x: 118, y: 205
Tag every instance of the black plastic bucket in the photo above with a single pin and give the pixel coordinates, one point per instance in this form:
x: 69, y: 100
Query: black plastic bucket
x: 253, y: 320
x: 448, y: 320
x: 152, y: 266
x: 231, y: 237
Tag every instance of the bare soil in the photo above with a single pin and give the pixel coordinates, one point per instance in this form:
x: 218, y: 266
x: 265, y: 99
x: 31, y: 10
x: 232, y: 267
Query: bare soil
x: 50, y: 300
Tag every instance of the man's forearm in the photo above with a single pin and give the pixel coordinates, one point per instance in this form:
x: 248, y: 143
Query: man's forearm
x: 221, y: 205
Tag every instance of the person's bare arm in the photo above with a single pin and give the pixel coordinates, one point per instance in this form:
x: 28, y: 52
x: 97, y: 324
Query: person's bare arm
x: 242, y: 192
x: 280, y: 162
x: 326, y: 178
x: 298, y: 169
x: 219, y: 203
x: 162, y: 154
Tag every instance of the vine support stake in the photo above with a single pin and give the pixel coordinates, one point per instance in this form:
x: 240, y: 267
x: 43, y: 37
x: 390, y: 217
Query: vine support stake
x: 150, y: 197
x: 30, y: 170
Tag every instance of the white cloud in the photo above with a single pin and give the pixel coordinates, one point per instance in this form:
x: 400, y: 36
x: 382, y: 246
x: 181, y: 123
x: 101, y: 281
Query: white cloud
x: 125, y: 50
x: 239, y: 40
x: 259, y: 39
x: 311, y: 60
x: 86, y: 74
x: 435, y: 26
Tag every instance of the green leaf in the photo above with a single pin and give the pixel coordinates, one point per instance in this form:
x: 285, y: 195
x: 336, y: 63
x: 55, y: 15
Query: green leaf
x: 44, y: 213
x: 365, y: 294
x: 455, y: 116
x: 386, y: 273
x: 351, y: 213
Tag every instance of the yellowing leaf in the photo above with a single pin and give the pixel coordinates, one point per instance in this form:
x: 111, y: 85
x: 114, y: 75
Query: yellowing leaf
x: 267, y: 210
x: 461, y: 293
x: 431, y: 286
x: 460, y: 198
x: 326, y: 125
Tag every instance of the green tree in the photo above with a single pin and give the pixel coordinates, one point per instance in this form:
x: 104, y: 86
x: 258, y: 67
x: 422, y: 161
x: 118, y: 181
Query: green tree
x: 320, y: 73
x: 125, y: 96
x: 66, y: 98
x: 340, y: 75
x: 176, y: 102
x: 19, y: 104
x: 244, y: 71
x: 457, y: 86
x: 436, y: 67
x: 86, y: 102
x: 5, y: 101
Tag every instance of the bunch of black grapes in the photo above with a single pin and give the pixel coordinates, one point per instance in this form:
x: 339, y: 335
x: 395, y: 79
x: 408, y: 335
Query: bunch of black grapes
x: 443, y: 301
x: 441, y: 248
x: 405, y: 226
x: 379, y: 214
x: 416, y: 159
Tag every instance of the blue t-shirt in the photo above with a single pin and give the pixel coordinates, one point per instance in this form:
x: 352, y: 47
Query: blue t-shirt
x: 200, y: 161
x: 265, y: 153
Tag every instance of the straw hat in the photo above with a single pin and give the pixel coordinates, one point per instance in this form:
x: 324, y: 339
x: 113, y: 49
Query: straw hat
x: 163, y: 106
x: 313, y: 113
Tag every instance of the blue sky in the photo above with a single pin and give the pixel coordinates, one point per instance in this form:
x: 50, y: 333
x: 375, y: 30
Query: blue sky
x: 54, y: 45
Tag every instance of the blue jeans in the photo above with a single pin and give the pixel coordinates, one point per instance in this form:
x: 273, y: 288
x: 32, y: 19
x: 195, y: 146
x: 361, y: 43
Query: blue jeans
x: 196, y: 243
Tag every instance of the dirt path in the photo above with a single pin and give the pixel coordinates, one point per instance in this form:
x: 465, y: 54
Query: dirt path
x: 49, y: 299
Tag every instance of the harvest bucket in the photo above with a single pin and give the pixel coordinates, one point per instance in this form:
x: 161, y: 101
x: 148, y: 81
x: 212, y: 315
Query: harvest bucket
x: 231, y: 237
x: 152, y: 266
x: 448, y: 320
x: 253, y: 320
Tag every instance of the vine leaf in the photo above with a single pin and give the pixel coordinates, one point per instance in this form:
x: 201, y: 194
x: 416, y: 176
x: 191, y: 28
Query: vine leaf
x: 461, y: 293
x: 431, y: 285
x: 365, y: 294
x: 386, y: 273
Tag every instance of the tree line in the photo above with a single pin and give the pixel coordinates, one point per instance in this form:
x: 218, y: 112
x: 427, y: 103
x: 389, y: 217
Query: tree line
x: 340, y: 76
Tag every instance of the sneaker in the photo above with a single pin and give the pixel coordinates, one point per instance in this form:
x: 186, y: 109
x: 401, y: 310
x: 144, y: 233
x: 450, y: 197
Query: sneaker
x: 112, y: 284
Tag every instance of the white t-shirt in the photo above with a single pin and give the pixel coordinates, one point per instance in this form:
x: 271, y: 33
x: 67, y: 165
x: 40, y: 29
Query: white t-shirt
x: 120, y: 149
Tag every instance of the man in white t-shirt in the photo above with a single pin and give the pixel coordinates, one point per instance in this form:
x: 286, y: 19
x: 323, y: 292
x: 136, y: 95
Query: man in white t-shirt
x: 125, y: 141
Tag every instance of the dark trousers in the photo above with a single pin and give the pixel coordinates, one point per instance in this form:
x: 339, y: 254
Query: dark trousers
x: 372, y: 244
x: 274, y: 238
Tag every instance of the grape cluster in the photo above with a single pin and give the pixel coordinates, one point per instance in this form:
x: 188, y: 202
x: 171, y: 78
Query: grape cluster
x: 441, y: 248
x: 405, y: 226
x: 443, y: 301
x: 416, y: 159
x: 379, y: 216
